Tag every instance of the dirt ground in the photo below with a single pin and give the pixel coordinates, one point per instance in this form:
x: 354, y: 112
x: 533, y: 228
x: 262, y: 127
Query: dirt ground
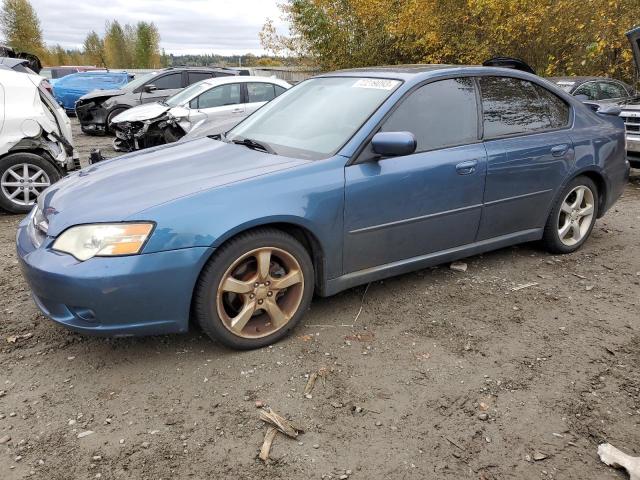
x: 442, y: 375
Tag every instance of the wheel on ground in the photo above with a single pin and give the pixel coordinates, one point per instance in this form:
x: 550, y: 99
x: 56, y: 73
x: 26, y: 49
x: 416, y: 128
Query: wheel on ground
x: 23, y: 177
x: 573, y: 217
x: 112, y: 114
x: 255, y: 289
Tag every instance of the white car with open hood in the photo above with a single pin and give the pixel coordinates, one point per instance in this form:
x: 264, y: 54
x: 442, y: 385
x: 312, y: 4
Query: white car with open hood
x: 36, y: 146
x: 214, y: 105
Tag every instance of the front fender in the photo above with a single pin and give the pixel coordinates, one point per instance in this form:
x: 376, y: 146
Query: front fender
x: 310, y: 197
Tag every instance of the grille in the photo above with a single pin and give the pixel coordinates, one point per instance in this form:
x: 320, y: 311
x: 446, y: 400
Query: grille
x: 631, y: 124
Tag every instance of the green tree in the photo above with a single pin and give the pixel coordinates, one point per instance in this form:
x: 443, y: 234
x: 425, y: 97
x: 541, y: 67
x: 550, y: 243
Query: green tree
x: 147, y: 46
x: 93, y: 49
x: 115, y: 46
x: 21, y: 27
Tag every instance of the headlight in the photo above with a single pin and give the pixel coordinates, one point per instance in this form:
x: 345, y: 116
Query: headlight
x: 103, y: 240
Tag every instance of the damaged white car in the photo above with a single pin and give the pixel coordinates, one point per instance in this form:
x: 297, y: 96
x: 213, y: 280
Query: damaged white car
x: 215, y: 105
x: 36, y: 146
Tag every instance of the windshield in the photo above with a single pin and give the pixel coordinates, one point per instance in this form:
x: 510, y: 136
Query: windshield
x: 317, y: 117
x: 187, y: 94
x: 139, y: 80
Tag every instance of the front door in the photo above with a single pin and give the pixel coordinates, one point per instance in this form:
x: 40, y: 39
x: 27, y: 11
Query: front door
x: 165, y: 87
x: 221, y: 105
x: 404, y: 207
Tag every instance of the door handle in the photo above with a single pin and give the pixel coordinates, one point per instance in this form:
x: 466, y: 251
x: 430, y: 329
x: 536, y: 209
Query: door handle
x: 466, y: 168
x: 237, y: 110
x: 559, y: 150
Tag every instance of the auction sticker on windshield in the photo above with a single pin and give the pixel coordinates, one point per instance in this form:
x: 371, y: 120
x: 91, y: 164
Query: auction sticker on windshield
x: 378, y: 83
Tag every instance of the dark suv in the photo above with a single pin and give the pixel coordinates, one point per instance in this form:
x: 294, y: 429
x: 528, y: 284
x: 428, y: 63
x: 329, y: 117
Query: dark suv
x: 96, y: 109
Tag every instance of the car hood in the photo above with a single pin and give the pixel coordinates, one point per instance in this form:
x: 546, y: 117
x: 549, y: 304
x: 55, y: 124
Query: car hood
x: 102, y: 93
x: 140, y: 113
x: 116, y: 189
x: 634, y: 39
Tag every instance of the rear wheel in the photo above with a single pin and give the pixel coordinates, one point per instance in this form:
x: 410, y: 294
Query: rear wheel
x: 255, y: 289
x: 23, y: 176
x: 573, y: 217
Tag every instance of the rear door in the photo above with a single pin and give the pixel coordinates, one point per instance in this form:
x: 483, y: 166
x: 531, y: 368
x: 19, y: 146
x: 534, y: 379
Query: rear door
x: 529, y: 154
x: 404, y: 207
x: 166, y: 85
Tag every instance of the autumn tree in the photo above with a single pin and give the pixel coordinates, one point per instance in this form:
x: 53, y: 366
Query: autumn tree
x: 21, y: 27
x: 116, y: 49
x: 93, y: 48
x: 553, y: 36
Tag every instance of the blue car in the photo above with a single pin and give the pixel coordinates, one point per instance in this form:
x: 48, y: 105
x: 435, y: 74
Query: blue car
x: 70, y: 88
x: 346, y: 178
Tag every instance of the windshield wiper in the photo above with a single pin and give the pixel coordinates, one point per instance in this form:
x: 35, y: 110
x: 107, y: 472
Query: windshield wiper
x: 247, y: 142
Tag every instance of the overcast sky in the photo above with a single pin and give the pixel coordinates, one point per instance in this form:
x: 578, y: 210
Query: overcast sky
x: 186, y: 26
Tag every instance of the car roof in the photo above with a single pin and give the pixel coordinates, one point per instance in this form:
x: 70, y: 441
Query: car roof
x: 418, y: 72
x: 12, y: 62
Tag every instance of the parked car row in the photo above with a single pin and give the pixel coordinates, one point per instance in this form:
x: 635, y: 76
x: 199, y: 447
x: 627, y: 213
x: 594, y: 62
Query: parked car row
x: 209, y: 107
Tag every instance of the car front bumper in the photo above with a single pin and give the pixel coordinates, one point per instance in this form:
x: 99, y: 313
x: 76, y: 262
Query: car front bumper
x: 147, y: 294
x: 92, y: 116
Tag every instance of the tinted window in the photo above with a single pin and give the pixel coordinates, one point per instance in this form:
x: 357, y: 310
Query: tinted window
x: 589, y: 90
x: 219, y: 96
x: 557, y: 109
x: 197, y: 76
x: 439, y: 114
x: 279, y: 90
x: 512, y: 106
x: 260, y: 92
x: 167, y: 82
x: 611, y: 90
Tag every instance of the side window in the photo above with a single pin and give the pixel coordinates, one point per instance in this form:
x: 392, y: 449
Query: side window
x: 260, y: 92
x: 198, y: 76
x: 218, y: 97
x: 611, y: 90
x: 557, y: 109
x: 279, y: 90
x: 589, y: 90
x: 440, y: 114
x: 512, y: 106
x: 167, y: 82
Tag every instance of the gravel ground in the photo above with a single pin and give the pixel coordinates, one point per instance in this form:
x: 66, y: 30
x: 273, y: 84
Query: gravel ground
x: 443, y: 375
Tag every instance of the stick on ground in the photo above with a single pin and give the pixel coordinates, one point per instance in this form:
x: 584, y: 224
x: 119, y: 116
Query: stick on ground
x: 281, y: 423
x: 266, y: 445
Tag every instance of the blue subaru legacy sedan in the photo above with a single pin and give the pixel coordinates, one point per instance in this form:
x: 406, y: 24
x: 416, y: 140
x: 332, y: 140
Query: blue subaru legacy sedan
x: 346, y: 178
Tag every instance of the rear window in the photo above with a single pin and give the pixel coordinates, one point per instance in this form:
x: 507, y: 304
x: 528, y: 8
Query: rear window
x: 168, y: 82
x: 260, y: 92
x: 197, y: 76
x: 512, y: 106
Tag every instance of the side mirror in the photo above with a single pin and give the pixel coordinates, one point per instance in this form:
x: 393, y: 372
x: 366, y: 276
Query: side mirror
x: 392, y: 144
x: 614, y: 110
x: 150, y: 88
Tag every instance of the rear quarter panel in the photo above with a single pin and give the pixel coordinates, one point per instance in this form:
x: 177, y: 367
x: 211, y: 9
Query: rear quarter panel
x: 599, y: 142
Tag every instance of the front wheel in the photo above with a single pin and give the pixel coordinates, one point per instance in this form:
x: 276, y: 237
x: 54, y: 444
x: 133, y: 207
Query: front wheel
x: 255, y: 289
x: 23, y: 176
x: 573, y: 217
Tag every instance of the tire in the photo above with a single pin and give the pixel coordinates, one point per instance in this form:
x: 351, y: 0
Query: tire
x: 15, y: 163
x: 237, y: 263
x: 572, y: 217
x: 111, y: 116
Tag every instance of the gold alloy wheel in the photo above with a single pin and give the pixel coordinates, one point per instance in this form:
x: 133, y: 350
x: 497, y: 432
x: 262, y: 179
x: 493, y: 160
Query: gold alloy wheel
x: 260, y: 292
